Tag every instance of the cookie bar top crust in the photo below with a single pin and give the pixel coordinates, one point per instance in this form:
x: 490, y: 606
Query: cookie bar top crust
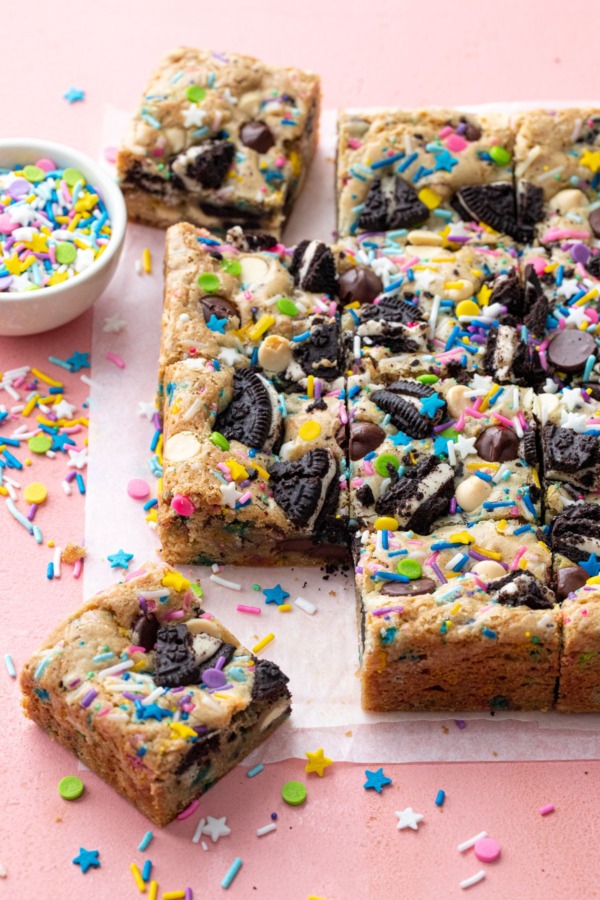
x: 144, y: 686
x: 219, y: 139
x: 433, y: 176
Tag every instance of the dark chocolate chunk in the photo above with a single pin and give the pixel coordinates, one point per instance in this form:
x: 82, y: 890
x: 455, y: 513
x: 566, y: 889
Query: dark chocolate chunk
x: 364, y: 437
x: 300, y: 486
x: 249, y: 416
x: 365, y: 495
x: 257, y: 135
x: 569, y: 579
x: 212, y: 305
x: 145, y: 631
x: 497, y: 444
x: 210, y: 162
x: 407, y: 416
x: 175, y: 661
x: 470, y: 132
x: 391, y: 203
x: 492, y: 204
x: 593, y: 265
x: 359, y: 285
x: 521, y: 588
x: 594, y: 222
x: 321, y: 353
x: 569, y: 349
x: 409, y: 589
x: 313, y: 268
x: 269, y: 681
x: 420, y: 497
x: 575, y: 532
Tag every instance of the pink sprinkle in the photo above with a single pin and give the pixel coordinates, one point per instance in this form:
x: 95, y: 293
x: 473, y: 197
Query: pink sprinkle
x: 138, y: 489
x: 584, y: 612
x: 245, y: 497
x: 446, y: 130
x: 110, y: 154
x: 548, y: 808
x: 538, y: 263
x: 369, y: 470
x: 189, y: 810
x: 72, y: 429
x: 280, y: 162
x: 182, y: 505
x: 479, y: 582
x: 471, y: 411
x: 135, y: 649
x: 255, y: 610
x: 77, y: 567
x: 342, y: 414
x: 502, y: 419
x: 456, y: 143
x: 560, y: 234
x: 175, y: 614
x: 409, y: 262
x: 515, y: 563
x: 354, y: 143
x: 103, y: 712
x: 460, y: 423
x: 116, y: 360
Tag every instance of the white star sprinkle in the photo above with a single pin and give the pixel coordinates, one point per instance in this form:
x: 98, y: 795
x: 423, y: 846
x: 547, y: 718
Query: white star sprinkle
x: 114, y: 324
x: 465, y: 446
x: 573, y: 421
x: 229, y: 356
x: 78, y: 458
x: 84, y: 259
x: 22, y: 214
x: 550, y: 387
x: 568, y: 288
x: 193, y: 117
x: 146, y: 409
x: 64, y: 410
x: 572, y: 398
x: 409, y: 819
x: 481, y: 383
x: 229, y: 494
x: 216, y: 828
x: 577, y: 317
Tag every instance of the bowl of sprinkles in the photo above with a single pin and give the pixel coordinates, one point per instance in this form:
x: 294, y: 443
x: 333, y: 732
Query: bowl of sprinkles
x: 62, y: 226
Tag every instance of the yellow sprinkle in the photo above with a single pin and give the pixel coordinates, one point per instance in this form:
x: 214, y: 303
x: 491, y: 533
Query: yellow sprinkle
x: 27, y: 262
x: 551, y: 267
x: 501, y: 525
x: 452, y: 574
x: 429, y: 198
x: 354, y: 305
x: 175, y: 580
x: 140, y: 666
x: 523, y: 563
x: 152, y: 516
x: 527, y: 634
x: 147, y: 261
x: 483, y: 297
x: 30, y: 404
x: 57, y: 278
x: 285, y: 607
x: 491, y: 554
x: 74, y: 222
x: 152, y: 891
x: 486, y: 400
x: 535, y: 478
x: 13, y: 264
x: 159, y: 485
x: 174, y: 895
x: 456, y: 608
x: 486, y: 465
x: 454, y: 285
x: 262, y: 472
x: 36, y: 492
x: 461, y: 537
x: 3, y: 491
x: 257, y: 330
x: 50, y: 544
x: 382, y: 661
x: 310, y: 385
x: 182, y: 731
x: 467, y: 308
x: 310, y: 430
x: 386, y: 523
x: 261, y: 644
x: 137, y: 875
x: 238, y: 472
x: 595, y: 579
x: 44, y: 421
x: 544, y: 546
x: 586, y: 297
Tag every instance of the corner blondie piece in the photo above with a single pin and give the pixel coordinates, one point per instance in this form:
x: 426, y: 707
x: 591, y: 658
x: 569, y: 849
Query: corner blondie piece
x: 579, y: 682
x: 152, y: 693
x: 219, y: 140
x: 459, y: 620
x: 429, y: 176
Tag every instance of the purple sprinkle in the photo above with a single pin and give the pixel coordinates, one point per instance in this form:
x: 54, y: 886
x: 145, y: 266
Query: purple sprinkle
x: 317, y: 389
x: 71, y: 475
x: 89, y: 698
x: 460, y: 723
x: 132, y: 697
x: 177, y: 690
x: 143, y: 605
x: 18, y: 188
x: 225, y: 687
x: 461, y: 127
x: 438, y: 572
x: 5, y: 282
x: 220, y: 662
x: 214, y: 678
x: 156, y: 422
x: 479, y: 556
x: 580, y: 253
x: 444, y: 425
x: 453, y: 505
x: 32, y: 512
x: 383, y: 612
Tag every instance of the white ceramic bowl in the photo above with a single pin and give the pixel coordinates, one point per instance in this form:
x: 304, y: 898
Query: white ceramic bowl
x: 31, y: 312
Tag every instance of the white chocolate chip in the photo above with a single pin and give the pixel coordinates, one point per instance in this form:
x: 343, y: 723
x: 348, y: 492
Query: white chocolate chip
x: 457, y: 400
x: 274, y: 354
x: 471, y: 493
x: 567, y: 200
x: 203, y: 626
x: 548, y: 405
x: 488, y: 569
x: 254, y: 270
x: 425, y: 238
x: 181, y: 446
x: 176, y: 138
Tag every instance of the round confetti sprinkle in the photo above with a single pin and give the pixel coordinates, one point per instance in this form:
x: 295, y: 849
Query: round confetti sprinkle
x: 182, y: 505
x: 34, y: 174
x: 209, y: 282
x: 467, y: 308
x: 36, y: 492
x: 219, y: 440
x: 70, y: 788
x: 310, y: 430
x: 287, y: 307
x: 500, y: 155
x: 65, y: 253
x: 47, y: 165
x: 409, y: 567
x: 382, y: 462
x: 294, y: 793
x: 386, y: 523
x: 138, y: 489
x: 428, y: 379
x: 40, y: 443
x: 195, y: 93
x: 487, y: 849
x: 72, y: 176
x: 231, y: 266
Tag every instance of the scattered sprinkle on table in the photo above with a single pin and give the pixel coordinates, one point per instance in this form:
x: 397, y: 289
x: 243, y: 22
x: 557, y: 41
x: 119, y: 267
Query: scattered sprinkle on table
x: 87, y: 859
x: 466, y: 845
x: 146, y: 840
x: 232, y: 872
x: 487, y: 849
x: 294, y: 793
x: 120, y: 559
x: 305, y: 605
x: 216, y: 828
x: 255, y: 771
x: 474, y: 879
x: 548, y: 808
x: 317, y: 762
x: 10, y: 666
x: 70, y: 787
x: 266, y: 829
x: 263, y: 643
x: 275, y: 595
x: 74, y: 95
x: 376, y: 780
x: 138, y: 488
x: 439, y: 798
x: 114, y: 324
x: 407, y: 818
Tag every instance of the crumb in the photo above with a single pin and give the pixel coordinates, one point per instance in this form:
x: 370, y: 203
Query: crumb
x: 72, y: 553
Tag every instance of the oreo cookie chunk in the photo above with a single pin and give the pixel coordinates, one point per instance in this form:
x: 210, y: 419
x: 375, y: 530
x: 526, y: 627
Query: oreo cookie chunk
x: 390, y: 204
x: 494, y: 205
x: 269, y: 681
x: 575, y: 533
x: 522, y: 588
x: 420, y: 497
x: 320, y: 352
x: 509, y: 360
x: 145, y: 631
x: 414, y: 408
x: 254, y: 416
x: 183, y: 657
x: 250, y: 241
x: 530, y: 203
x: 205, y: 165
x: 313, y: 268
x: 508, y: 291
x: 572, y: 457
x: 391, y: 324
x: 306, y: 489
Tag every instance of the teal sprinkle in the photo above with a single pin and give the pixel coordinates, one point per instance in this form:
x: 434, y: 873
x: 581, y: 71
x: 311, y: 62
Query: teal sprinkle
x: 41, y: 668
x: 150, y: 119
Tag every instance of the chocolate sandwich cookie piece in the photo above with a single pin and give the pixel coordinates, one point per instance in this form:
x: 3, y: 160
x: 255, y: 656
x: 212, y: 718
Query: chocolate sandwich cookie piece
x: 175, y: 661
x: 508, y: 291
x: 522, y: 588
x: 497, y: 444
x: 391, y: 203
x: 414, y: 408
x: 360, y: 438
x: 420, y: 497
x: 492, y: 204
x: 210, y: 667
x: 569, y: 579
x: 390, y: 324
x: 571, y: 456
x: 575, y: 533
x: 205, y: 164
x: 536, y: 318
x: 320, y: 354
x: 570, y: 349
x: 250, y: 241
x: 257, y: 136
x: 509, y: 360
x: 528, y: 449
x: 253, y: 417
x: 530, y: 202
x: 220, y: 307
x: 313, y: 268
x: 305, y: 488
x: 269, y: 680
x: 409, y: 589
x: 145, y: 631
x: 359, y: 285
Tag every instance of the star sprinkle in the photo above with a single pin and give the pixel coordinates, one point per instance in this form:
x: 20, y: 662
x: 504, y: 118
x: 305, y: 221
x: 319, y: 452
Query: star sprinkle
x: 151, y: 711
x: 120, y: 559
x: 78, y: 361
x: 430, y: 405
x: 407, y: 818
x: 78, y: 458
x: 229, y: 356
x: 229, y: 494
x: 22, y: 214
x: 590, y: 159
x: 74, y: 95
x: 465, y: 446
x: 376, y: 780
x: 59, y: 442
x: 577, y: 317
x: 591, y: 565
x: 317, y: 761
x: 572, y: 398
x: 444, y: 161
x: 217, y: 324
x: 275, y: 595
x: 440, y: 446
x: 568, y: 288
x: 574, y: 421
x: 146, y: 409
x: 193, y: 117
x: 176, y: 580
x: 64, y: 409
x: 114, y: 324
x: 216, y: 828
x: 400, y: 439
x: 87, y: 859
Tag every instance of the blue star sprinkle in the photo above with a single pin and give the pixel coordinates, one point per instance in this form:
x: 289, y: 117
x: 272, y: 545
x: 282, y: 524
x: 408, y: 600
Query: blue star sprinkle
x: 376, y: 780
x: 275, y: 595
x: 444, y: 161
x: 120, y: 559
x: 591, y: 565
x: 217, y: 324
x: 400, y: 439
x: 430, y: 405
x: 59, y: 442
x: 440, y: 446
x: 151, y: 711
x: 74, y: 95
x: 87, y: 859
x: 78, y: 361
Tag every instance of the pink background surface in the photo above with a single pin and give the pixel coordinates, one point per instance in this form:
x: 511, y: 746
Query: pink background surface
x: 343, y: 843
